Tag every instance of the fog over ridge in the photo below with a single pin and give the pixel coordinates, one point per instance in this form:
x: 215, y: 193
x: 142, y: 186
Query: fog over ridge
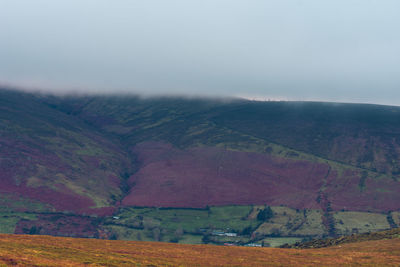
x: 341, y: 51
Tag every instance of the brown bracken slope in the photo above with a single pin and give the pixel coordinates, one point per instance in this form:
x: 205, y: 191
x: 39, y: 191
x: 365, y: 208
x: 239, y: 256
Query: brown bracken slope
x: 23, y: 250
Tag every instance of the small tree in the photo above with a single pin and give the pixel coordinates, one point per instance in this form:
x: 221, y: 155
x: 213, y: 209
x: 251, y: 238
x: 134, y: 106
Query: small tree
x: 206, y: 239
x: 113, y: 236
x: 265, y: 214
x: 177, y: 235
x: 139, y: 236
x: 156, y: 234
x: 247, y: 230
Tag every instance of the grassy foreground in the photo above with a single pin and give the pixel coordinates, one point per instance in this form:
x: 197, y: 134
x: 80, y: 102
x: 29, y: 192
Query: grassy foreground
x: 22, y: 250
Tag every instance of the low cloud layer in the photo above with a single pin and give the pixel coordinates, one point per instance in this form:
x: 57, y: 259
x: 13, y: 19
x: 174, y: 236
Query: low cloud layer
x: 296, y: 50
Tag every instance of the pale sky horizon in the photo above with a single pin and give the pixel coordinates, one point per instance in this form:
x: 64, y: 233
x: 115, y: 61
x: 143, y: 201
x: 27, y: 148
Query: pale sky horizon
x: 339, y: 51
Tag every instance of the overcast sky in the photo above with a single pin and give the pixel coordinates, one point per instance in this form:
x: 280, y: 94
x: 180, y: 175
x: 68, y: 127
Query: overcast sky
x: 333, y: 50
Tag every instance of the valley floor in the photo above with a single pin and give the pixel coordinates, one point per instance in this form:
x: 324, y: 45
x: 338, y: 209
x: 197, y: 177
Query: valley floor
x: 28, y: 250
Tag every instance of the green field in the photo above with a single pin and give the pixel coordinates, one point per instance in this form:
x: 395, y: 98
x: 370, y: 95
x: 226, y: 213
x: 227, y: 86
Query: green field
x: 9, y: 220
x: 180, y: 225
x: 360, y: 222
x: 219, y: 225
x: 196, y: 226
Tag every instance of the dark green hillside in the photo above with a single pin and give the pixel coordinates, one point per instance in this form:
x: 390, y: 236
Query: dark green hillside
x: 359, y: 141
x: 365, y: 136
x: 55, y: 158
x: 330, y: 167
x: 361, y: 135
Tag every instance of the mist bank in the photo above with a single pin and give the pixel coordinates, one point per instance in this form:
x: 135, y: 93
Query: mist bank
x: 79, y: 92
x: 293, y: 50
